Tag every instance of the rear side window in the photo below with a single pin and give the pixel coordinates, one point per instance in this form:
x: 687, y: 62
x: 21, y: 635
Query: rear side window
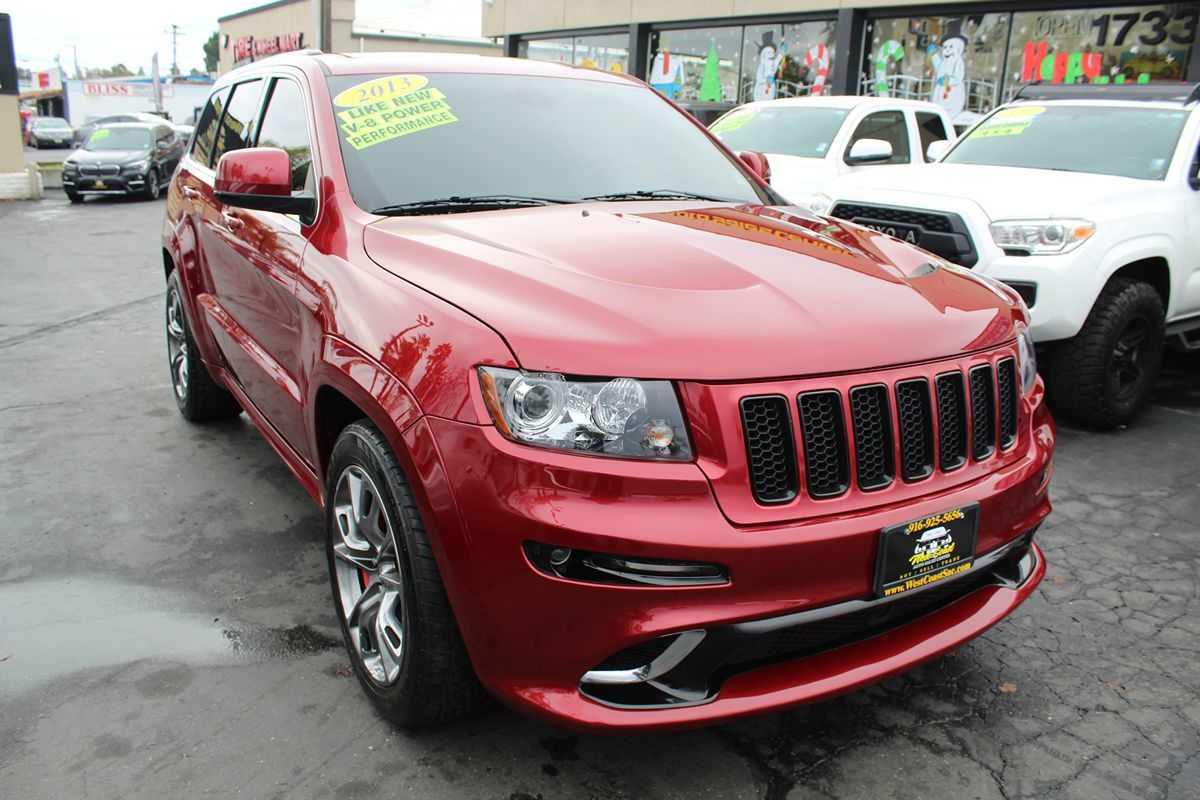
x: 285, y: 126
x: 888, y: 126
x: 236, y: 124
x: 932, y: 129
x: 206, y: 127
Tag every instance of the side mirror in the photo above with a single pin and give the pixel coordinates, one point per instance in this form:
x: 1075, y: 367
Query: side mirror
x: 1194, y: 178
x: 756, y: 163
x: 869, y: 151
x: 937, y: 149
x: 259, y: 178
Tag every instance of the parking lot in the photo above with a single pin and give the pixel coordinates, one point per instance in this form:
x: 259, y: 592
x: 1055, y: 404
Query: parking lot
x: 167, y: 628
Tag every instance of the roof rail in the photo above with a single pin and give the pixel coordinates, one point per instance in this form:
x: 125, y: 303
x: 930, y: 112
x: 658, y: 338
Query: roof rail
x: 1159, y: 91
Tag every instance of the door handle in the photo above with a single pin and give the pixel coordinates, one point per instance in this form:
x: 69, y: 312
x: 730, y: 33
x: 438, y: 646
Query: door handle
x: 232, y: 221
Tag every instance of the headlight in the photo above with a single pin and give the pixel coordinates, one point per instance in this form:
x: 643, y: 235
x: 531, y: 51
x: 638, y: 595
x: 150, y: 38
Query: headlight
x: 820, y: 203
x: 136, y: 166
x: 70, y: 166
x: 1041, y: 237
x: 1026, y: 359
x: 623, y: 417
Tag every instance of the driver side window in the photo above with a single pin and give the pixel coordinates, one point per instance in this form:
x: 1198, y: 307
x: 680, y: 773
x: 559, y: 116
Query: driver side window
x: 888, y: 126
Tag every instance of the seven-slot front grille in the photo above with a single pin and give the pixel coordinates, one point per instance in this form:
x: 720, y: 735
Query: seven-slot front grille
x: 910, y: 429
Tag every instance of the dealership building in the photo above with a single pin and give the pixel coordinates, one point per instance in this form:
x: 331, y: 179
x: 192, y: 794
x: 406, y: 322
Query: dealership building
x: 448, y: 26
x: 968, y: 57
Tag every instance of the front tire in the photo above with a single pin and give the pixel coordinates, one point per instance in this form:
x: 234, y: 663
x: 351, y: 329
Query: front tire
x: 153, y: 187
x: 199, y: 397
x: 74, y: 197
x: 396, y: 621
x: 1103, y: 376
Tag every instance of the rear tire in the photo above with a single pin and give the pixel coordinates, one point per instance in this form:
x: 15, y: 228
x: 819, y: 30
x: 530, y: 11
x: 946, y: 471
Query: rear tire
x: 199, y: 397
x: 397, y: 625
x: 1103, y: 376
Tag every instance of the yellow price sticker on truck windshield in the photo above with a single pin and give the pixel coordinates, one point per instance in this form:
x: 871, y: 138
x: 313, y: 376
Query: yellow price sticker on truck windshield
x: 1008, y: 122
x: 383, y: 109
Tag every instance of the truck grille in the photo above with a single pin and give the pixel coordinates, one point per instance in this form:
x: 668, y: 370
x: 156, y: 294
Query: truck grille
x: 859, y: 437
x: 928, y: 220
x: 940, y: 232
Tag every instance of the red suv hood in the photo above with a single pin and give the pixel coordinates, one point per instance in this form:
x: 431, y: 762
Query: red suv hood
x: 693, y: 292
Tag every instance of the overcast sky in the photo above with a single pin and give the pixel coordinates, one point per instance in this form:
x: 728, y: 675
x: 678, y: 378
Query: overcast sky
x: 129, y: 32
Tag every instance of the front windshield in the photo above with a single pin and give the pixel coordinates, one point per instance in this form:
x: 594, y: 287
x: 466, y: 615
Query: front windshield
x: 1106, y: 140
x: 118, y: 139
x: 793, y: 131
x: 412, y: 138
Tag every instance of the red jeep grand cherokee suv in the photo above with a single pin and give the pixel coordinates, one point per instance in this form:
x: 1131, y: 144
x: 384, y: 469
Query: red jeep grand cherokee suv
x: 599, y: 425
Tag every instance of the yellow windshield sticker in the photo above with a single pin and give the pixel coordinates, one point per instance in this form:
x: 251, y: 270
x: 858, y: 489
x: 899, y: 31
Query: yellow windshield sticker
x: 378, y: 89
x: 387, y: 108
x: 102, y: 133
x: 1009, y: 121
x: 733, y: 120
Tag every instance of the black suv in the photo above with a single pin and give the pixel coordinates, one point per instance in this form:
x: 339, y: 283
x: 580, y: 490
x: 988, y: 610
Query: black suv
x: 123, y: 158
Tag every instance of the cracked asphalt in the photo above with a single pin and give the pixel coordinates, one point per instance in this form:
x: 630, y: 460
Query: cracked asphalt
x: 166, y: 627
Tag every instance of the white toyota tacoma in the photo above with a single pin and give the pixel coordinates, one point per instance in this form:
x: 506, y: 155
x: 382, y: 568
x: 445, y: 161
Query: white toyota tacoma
x: 1086, y: 201
x: 809, y: 141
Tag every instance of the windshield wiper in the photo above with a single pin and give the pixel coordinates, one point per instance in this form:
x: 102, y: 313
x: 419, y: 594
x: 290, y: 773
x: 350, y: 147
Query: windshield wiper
x: 659, y: 194
x: 449, y: 205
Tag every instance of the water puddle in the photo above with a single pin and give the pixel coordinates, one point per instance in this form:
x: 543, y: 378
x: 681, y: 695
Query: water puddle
x: 51, y: 628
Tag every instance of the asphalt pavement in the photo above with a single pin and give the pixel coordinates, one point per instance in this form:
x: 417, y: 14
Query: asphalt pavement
x: 166, y: 627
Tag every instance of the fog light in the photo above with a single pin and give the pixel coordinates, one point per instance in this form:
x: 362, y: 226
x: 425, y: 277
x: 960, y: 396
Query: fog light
x: 578, y: 565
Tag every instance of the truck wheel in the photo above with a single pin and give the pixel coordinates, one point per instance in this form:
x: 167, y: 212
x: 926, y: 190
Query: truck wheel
x: 199, y: 397
x: 1103, y: 375
x: 396, y: 621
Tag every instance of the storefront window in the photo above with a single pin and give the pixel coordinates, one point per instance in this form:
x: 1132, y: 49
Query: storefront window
x: 558, y: 50
x: 609, y: 52
x: 696, y: 63
x: 784, y: 60
x: 1112, y: 45
x: 956, y: 62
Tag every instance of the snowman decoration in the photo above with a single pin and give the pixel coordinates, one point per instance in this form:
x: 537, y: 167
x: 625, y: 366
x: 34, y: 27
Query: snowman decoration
x: 666, y: 71
x: 949, y: 72
x: 769, y: 57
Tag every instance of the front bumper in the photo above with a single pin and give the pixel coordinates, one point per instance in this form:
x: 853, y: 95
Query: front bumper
x: 106, y: 184
x: 533, y: 637
x: 1064, y: 288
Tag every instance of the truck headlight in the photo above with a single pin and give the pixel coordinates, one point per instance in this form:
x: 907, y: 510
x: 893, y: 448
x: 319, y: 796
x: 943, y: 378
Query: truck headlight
x: 1042, y: 237
x: 820, y: 204
x: 1026, y: 359
x: 622, y: 417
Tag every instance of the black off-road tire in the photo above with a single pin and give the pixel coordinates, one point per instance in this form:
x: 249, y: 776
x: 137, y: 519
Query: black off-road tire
x: 436, y: 682
x: 1080, y: 371
x: 199, y: 398
x: 74, y: 197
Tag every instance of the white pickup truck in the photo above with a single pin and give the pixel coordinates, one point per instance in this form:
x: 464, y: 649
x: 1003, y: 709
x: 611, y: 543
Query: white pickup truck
x: 1086, y: 201
x: 809, y: 141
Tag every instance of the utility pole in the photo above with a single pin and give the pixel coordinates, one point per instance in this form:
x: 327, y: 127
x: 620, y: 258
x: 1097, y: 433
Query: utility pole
x: 75, y: 54
x: 175, y: 34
